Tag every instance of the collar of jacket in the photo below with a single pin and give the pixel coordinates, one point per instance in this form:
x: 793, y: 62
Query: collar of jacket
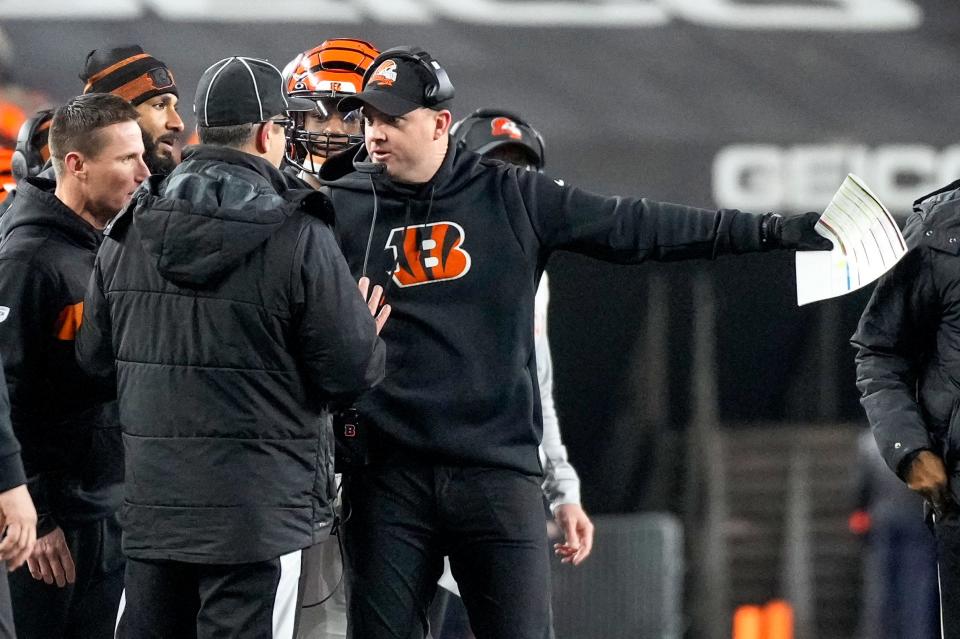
x: 238, y: 158
x: 36, y: 205
x: 340, y: 166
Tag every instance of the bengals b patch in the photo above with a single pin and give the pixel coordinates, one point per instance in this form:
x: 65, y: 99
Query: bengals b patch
x: 428, y: 253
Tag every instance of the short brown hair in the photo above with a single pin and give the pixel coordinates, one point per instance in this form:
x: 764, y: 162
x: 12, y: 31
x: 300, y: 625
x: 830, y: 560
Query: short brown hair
x: 77, y: 124
x: 233, y: 135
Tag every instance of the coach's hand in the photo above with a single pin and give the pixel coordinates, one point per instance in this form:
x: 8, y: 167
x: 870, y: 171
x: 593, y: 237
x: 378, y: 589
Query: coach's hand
x: 577, y: 534
x: 51, y: 560
x: 18, y: 523
x: 796, y: 232
x: 928, y: 476
x: 375, y: 302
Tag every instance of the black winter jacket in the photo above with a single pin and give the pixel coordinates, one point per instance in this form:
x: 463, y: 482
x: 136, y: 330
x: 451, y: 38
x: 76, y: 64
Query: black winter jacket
x: 908, y: 340
x: 469, y: 247
x: 67, y: 427
x: 234, y: 321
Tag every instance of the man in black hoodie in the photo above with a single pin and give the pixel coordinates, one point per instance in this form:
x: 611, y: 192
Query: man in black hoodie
x: 462, y: 241
x: 222, y: 304
x: 68, y: 429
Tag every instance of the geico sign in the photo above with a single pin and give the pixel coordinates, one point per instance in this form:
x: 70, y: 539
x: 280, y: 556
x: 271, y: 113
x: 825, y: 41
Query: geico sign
x: 828, y: 15
x: 760, y: 177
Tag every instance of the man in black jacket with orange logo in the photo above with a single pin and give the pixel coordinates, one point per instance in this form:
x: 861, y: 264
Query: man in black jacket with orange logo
x: 67, y: 428
x: 223, y: 305
x: 460, y: 242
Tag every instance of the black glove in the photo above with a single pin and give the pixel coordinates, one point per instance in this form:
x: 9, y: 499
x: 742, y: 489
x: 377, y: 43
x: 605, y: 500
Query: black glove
x: 795, y: 232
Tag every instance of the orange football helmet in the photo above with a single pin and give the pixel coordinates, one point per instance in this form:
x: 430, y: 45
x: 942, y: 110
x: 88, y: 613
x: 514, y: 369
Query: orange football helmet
x: 325, y: 74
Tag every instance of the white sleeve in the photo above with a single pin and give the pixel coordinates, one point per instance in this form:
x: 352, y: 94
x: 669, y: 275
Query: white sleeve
x: 561, y: 484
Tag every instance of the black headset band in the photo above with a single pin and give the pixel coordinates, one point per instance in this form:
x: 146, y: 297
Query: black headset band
x: 26, y: 160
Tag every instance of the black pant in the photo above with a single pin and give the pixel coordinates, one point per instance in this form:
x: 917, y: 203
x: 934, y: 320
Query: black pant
x: 948, y: 568
x: 448, y: 618
x: 402, y: 520
x: 6, y: 609
x: 86, y: 609
x: 177, y: 600
x: 900, y: 598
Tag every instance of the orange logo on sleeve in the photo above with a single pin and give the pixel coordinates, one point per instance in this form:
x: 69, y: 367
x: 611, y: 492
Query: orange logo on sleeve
x: 68, y: 322
x: 428, y: 253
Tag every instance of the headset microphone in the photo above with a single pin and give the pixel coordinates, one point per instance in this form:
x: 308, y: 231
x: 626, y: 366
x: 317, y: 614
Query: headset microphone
x: 367, y: 168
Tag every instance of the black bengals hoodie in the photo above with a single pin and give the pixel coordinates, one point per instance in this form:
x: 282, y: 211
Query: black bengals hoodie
x: 466, y: 250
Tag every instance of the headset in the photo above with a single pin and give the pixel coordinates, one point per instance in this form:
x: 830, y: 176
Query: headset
x: 27, y: 160
x: 462, y: 129
x: 437, y: 92
x: 366, y: 166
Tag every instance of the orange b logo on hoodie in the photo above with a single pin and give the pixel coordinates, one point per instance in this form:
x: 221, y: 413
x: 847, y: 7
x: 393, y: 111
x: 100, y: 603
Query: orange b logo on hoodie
x: 428, y: 253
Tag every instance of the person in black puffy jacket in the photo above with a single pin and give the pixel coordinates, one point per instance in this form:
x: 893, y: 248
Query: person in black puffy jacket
x: 908, y: 373
x: 224, y: 309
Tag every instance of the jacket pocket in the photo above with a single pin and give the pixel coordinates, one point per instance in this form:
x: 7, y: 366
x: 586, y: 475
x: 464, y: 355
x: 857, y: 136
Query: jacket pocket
x: 951, y: 450
x: 950, y: 447
x: 324, y: 480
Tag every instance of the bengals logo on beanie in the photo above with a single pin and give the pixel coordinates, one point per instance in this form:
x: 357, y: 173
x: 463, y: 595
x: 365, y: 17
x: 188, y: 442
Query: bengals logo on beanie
x: 128, y: 72
x: 385, y: 75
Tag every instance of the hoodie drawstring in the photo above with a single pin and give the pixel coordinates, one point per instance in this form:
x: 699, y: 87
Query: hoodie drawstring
x: 406, y: 227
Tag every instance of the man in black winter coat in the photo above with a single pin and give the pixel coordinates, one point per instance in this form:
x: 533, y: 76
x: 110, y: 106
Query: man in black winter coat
x: 908, y: 372
x: 67, y: 428
x: 461, y: 242
x: 223, y: 306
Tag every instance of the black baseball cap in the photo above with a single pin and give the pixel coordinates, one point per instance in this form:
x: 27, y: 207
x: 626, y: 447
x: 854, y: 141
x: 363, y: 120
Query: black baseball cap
x: 240, y: 90
x: 397, y: 86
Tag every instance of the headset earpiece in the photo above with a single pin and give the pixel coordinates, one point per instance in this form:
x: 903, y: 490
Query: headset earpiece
x: 27, y: 160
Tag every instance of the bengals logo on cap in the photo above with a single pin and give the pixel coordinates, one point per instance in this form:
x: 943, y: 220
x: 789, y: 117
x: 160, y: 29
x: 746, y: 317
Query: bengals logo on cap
x: 505, y: 127
x: 429, y: 253
x: 386, y: 74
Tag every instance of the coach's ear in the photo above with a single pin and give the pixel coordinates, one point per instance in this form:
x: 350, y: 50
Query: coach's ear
x: 75, y: 164
x: 442, y: 122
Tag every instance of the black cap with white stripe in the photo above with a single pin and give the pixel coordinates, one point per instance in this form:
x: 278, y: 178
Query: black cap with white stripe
x: 241, y: 90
